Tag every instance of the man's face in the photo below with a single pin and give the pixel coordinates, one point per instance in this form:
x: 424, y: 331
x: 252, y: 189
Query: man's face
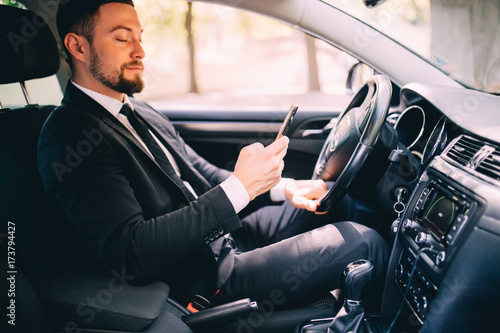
x: 116, y: 52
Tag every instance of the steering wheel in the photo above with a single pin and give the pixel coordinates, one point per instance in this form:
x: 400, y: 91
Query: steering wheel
x: 352, y: 139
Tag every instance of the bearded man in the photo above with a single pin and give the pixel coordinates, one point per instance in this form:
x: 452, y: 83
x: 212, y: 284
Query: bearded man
x: 145, y: 203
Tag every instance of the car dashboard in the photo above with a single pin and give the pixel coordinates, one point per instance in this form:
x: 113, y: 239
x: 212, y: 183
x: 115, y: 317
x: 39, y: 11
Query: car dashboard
x: 444, y: 261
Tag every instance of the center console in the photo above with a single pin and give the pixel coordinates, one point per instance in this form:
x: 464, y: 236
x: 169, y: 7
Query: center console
x: 439, y: 276
x: 438, y: 213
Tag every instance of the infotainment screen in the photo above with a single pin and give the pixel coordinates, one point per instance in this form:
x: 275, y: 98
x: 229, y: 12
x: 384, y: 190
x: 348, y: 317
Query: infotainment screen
x: 440, y: 212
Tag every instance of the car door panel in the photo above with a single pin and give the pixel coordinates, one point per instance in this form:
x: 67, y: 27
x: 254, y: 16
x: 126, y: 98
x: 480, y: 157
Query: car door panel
x: 219, y: 135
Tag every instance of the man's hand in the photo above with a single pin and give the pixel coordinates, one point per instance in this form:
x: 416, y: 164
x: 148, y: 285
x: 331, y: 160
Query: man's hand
x: 302, y: 193
x: 259, y: 168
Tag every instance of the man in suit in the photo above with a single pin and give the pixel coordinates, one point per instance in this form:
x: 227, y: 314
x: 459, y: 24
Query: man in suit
x: 145, y: 203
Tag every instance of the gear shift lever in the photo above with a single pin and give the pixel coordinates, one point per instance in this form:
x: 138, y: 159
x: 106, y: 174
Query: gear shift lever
x: 357, y: 277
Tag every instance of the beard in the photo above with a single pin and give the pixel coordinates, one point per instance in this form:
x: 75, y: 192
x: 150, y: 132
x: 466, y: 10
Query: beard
x: 114, y: 78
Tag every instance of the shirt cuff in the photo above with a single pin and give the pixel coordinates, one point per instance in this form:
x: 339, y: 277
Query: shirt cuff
x: 236, y: 193
x: 277, y: 193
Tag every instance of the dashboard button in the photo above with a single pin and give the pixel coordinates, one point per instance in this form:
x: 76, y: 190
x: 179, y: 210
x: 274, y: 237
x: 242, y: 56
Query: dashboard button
x: 440, y: 258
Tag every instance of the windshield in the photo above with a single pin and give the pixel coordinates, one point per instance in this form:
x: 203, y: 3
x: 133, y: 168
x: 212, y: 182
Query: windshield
x: 461, y: 37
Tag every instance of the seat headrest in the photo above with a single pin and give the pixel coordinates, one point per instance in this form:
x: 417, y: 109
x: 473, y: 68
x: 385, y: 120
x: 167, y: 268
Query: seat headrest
x: 28, y: 47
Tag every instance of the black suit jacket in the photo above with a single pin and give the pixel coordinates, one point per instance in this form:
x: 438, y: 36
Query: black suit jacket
x: 130, y: 212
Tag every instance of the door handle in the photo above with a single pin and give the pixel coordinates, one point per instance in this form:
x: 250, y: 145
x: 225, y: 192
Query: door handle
x: 321, y: 131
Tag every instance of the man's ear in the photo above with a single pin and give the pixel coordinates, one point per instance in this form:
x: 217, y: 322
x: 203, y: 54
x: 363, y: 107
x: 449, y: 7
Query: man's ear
x: 76, y: 45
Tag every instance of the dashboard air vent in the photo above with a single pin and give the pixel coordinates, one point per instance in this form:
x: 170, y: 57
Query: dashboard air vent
x: 464, y: 150
x: 490, y: 166
x: 477, y: 155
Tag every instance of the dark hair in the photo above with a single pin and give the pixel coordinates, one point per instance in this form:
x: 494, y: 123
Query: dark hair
x: 78, y: 16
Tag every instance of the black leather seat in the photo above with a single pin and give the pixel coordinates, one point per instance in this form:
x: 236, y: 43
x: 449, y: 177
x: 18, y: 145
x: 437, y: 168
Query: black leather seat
x: 59, y: 285
x: 63, y: 288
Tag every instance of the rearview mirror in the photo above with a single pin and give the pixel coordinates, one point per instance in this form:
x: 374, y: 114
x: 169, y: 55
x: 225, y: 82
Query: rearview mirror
x: 373, y: 3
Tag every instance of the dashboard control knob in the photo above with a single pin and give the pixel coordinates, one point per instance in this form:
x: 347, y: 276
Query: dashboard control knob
x: 408, y: 223
x: 422, y: 238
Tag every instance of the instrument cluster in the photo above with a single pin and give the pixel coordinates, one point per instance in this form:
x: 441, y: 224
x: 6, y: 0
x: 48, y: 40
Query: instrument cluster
x: 423, y: 130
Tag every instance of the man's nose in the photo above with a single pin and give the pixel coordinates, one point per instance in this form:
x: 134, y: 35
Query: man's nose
x: 138, y: 51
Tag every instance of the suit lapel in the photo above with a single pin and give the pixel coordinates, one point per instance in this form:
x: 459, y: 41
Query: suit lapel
x: 75, y: 96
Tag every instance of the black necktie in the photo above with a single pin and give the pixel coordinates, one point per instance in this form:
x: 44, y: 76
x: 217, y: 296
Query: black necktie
x: 153, y: 146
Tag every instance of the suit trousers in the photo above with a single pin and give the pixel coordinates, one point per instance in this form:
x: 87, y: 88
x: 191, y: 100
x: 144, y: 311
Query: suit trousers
x: 286, y: 257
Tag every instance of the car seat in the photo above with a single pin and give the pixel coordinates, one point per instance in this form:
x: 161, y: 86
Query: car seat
x: 47, y: 250
x: 60, y: 287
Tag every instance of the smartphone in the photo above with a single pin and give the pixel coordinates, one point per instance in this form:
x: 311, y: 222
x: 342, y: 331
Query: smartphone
x: 286, y: 123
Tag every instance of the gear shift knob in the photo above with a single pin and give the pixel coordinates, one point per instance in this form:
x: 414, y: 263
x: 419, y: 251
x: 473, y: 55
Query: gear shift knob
x: 357, y: 277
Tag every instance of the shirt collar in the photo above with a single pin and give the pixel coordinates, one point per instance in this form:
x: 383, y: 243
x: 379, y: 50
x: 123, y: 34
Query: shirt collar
x: 112, y: 105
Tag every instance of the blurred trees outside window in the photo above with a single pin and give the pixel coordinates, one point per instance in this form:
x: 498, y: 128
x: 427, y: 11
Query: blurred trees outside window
x: 205, y: 55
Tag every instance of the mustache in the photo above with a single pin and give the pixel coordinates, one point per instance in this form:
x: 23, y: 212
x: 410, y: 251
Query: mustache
x: 133, y: 63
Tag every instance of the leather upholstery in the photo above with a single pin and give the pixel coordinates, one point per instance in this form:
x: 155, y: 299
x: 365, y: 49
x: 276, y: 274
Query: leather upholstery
x: 45, y: 240
x: 45, y: 236
x: 95, y: 299
x: 29, y: 49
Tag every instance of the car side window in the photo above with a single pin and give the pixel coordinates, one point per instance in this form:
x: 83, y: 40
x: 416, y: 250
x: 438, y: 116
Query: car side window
x: 41, y: 91
x: 203, y: 56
